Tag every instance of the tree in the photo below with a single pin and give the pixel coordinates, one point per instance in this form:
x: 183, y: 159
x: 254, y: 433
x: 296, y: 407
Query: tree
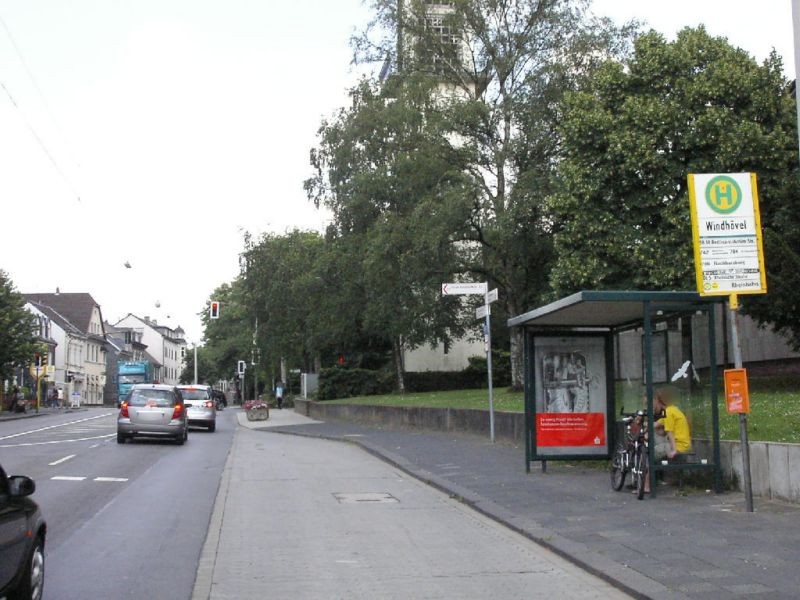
x: 631, y: 136
x: 383, y: 166
x: 500, y: 68
x: 17, y: 329
x: 227, y: 339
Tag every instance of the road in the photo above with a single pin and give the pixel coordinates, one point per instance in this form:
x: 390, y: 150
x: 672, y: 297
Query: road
x: 308, y: 518
x: 124, y: 521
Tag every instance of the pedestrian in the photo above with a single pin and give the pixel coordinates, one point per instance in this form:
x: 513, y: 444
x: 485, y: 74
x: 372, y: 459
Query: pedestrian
x: 279, y: 394
x: 52, y: 397
x: 60, y: 397
x: 16, y: 400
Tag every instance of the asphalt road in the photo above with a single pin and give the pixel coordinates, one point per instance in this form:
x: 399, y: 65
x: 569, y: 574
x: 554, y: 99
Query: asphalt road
x: 124, y: 521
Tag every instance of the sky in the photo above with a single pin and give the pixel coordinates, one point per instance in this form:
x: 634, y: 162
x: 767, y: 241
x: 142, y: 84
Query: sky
x: 156, y: 132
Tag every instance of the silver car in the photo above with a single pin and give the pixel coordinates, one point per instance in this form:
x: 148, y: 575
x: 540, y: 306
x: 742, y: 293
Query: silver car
x: 200, y: 406
x: 152, y: 410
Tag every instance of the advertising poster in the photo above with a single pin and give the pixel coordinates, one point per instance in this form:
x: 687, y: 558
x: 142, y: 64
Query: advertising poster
x: 570, y: 396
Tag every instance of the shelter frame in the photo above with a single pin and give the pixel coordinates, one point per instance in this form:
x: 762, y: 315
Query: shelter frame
x: 606, y: 313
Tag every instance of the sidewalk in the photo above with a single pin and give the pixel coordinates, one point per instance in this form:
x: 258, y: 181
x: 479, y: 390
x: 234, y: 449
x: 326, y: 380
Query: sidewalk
x: 682, y: 544
x: 9, y: 416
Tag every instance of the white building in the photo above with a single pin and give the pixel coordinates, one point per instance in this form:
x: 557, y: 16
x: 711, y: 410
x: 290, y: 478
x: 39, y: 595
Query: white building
x: 165, y: 346
x: 80, y: 352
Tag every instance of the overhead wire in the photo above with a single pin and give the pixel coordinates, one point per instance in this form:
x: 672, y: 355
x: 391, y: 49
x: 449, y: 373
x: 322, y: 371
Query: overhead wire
x: 24, y: 118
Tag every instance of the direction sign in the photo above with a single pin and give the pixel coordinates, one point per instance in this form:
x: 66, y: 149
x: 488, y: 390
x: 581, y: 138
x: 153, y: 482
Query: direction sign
x: 462, y: 289
x: 726, y: 226
x: 491, y: 296
x: 482, y: 311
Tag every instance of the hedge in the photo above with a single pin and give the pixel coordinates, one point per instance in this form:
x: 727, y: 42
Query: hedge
x: 338, y: 382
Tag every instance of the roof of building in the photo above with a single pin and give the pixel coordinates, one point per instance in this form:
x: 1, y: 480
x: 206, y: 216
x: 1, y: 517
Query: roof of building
x: 166, y: 331
x: 56, y: 317
x: 76, y: 307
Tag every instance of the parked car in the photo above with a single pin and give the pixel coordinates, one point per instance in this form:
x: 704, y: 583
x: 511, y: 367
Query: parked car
x: 200, y: 406
x: 152, y: 410
x: 22, y: 535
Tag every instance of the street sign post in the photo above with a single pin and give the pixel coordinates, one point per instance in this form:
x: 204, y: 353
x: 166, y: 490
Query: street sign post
x: 483, y: 312
x: 728, y: 261
x: 463, y: 289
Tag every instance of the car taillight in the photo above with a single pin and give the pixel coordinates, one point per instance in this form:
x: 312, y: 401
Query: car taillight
x: 209, y: 404
x: 123, y: 410
x: 176, y: 414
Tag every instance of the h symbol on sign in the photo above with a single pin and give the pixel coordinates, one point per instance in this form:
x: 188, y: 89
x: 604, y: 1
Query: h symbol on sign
x: 724, y: 194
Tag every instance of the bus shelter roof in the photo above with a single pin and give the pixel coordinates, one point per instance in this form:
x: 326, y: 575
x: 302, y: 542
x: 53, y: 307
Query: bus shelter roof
x: 609, y: 309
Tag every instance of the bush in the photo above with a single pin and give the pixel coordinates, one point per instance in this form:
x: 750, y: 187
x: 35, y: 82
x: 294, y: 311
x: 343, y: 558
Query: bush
x: 439, y: 381
x: 501, y: 368
x: 338, y: 382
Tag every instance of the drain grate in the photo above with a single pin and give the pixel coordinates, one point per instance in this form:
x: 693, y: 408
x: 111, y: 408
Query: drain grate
x: 365, y: 498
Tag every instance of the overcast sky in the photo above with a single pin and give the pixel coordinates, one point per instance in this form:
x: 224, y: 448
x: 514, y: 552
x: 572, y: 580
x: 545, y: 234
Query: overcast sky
x: 181, y: 123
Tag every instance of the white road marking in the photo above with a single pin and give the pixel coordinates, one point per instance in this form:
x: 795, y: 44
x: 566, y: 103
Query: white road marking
x: 67, y: 478
x: 61, y: 460
x: 347, y: 562
x: 13, y: 435
x: 111, y: 479
x: 95, y: 437
x: 94, y: 446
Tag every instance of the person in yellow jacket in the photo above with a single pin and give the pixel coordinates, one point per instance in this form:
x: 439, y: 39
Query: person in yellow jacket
x: 672, y: 429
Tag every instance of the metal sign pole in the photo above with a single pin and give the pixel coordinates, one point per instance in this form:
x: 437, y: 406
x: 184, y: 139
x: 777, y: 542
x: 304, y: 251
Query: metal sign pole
x: 737, y: 358
x: 488, y: 338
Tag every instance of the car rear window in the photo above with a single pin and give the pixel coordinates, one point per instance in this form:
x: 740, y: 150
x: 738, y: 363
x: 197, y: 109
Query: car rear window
x: 194, y: 394
x: 160, y: 397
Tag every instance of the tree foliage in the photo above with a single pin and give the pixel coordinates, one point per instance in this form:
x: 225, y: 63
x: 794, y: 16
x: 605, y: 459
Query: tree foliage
x: 631, y: 136
x: 17, y: 329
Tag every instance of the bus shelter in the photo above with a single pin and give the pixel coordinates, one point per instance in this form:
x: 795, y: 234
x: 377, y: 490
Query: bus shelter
x: 595, y: 354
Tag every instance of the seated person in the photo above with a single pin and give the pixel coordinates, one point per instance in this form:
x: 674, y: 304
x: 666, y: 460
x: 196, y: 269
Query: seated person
x: 672, y: 430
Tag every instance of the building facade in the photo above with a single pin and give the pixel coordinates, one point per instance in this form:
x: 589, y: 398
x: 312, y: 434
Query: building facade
x: 165, y: 346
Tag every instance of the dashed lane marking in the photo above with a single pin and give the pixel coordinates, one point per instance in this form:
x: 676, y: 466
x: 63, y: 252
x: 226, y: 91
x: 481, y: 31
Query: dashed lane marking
x: 14, y: 435
x: 94, y: 437
x: 61, y: 460
x: 111, y: 479
x: 67, y: 478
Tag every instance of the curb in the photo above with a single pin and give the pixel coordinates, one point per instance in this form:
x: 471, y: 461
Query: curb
x: 204, y: 577
x: 618, y: 575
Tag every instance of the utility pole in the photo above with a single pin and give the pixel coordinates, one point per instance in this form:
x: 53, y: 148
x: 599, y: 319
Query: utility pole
x: 195, y: 363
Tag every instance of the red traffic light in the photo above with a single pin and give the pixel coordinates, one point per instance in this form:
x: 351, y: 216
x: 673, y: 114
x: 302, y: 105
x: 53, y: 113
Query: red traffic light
x: 214, y: 310
x: 37, y: 359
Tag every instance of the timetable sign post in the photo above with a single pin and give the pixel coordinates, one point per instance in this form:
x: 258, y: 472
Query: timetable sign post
x: 726, y: 227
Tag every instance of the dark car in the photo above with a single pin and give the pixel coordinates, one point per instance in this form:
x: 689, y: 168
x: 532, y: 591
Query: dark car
x: 220, y: 399
x: 22, y: 534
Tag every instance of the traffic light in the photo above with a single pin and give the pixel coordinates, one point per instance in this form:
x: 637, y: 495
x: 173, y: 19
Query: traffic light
x: 44, y: 358
x: 240, y: 367
x: 37, y: 359
x: 214, y: 310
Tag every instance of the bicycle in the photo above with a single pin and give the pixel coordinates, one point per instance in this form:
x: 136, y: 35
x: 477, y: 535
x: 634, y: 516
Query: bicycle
x: 631, y: 454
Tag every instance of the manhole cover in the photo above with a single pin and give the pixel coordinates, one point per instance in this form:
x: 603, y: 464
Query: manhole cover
x: 365, y: 498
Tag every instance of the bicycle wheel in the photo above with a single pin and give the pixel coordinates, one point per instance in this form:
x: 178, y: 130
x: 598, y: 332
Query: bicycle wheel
x: 618, y: 471
x: 642, y: 472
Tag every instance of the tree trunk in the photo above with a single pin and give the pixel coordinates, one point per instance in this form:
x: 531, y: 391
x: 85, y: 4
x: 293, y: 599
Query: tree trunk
x: 517, y: 359
x: 398, y: 362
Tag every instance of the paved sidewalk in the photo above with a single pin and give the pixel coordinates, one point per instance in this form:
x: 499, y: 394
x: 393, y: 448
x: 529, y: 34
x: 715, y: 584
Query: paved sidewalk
x: 9, y: 416
x: 681, y: 544
x: 311, y: 519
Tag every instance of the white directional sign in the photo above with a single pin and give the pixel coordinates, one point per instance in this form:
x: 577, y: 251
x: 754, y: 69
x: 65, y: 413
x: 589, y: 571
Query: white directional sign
x: 482, y: 311
x: 726, y: 226
x: 491, y: 296
x: 463, y: 289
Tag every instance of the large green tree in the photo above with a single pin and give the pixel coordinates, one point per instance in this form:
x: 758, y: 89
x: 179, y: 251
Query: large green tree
x: 383, y: 168
x: 500, y: 69
x: 631, y: 136
x: 17, y: 329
